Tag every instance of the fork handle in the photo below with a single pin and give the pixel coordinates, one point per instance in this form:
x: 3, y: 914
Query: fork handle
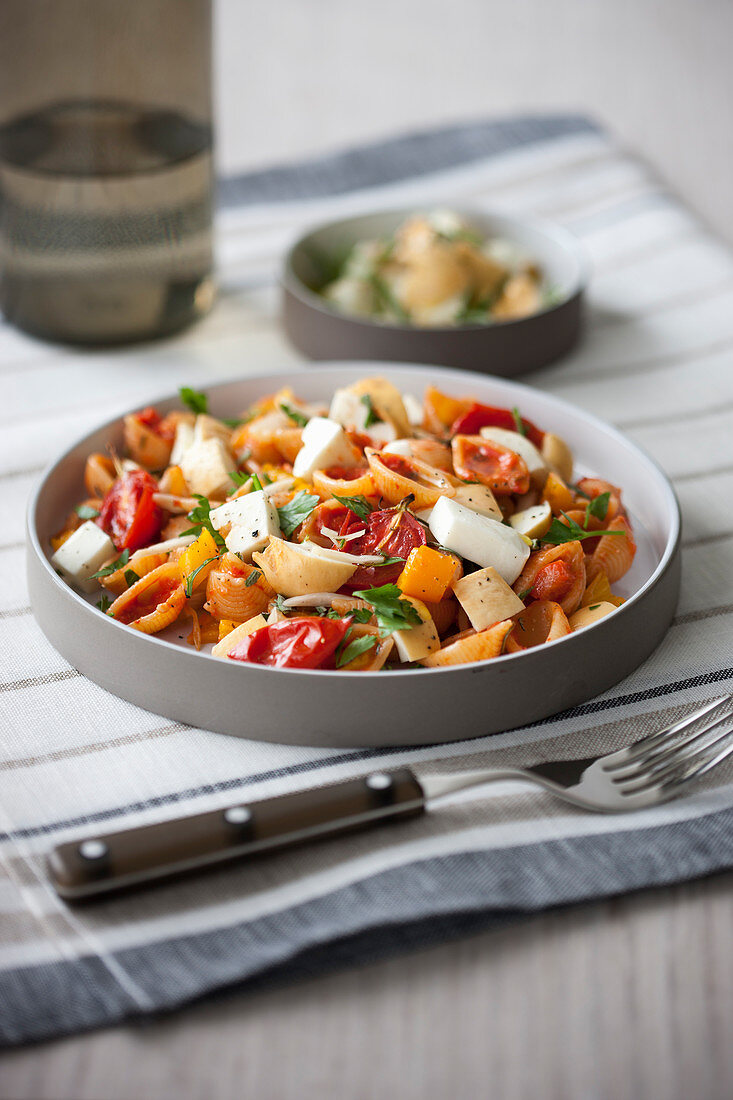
x: 100, y: 864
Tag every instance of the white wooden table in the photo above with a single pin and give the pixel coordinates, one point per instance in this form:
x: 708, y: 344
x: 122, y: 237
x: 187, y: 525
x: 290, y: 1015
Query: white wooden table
x: 631, y: 998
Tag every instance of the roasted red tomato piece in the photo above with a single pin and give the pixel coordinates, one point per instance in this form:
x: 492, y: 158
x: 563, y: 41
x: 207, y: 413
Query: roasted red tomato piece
x: 553, y: 582
x: 487, y: 416
x: 152, y: 419
x: 478, y: 459
x: 129, y: 514
x: 293, y: 643
x: 390, y: 531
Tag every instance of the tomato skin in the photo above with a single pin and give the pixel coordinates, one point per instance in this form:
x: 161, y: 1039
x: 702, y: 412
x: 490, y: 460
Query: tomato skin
x: 293, y: 643
x: 407, y: 534
x: 487, y: 416
x: 129, y: 514
x: 552, y: 582
x: 479, y: 459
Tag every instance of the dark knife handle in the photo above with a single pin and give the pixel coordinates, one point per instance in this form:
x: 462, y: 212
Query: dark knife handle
x: 102, y: 863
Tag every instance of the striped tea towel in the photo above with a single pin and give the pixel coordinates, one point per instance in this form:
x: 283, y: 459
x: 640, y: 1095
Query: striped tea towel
x: 657, y: 361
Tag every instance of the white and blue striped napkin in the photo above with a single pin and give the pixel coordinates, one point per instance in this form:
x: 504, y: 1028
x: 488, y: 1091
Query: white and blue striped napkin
x: 657, y: 361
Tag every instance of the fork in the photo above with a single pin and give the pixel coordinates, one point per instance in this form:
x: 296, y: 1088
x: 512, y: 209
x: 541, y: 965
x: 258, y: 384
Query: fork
x: 648, y: 772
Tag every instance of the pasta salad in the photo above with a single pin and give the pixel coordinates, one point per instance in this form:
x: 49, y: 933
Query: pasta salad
x: 379, y: 532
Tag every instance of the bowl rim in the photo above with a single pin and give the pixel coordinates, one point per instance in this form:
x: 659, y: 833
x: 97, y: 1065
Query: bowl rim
x: 462, y: 377
x: 558, y: 234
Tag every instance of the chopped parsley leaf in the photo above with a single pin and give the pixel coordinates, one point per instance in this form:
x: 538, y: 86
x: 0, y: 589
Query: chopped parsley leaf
x: 131, y: 577
x: 253, y: 577
x: 297, y: 510
x: 240, y: 477
x: 294, y: 414
x: 371, y: 416
x: 391, y: 610
x: 570, y: 531
x: 103, y: 603
x: 518, y: 421
x: 188, y: 586
x: 359, y: 505
x: 197, y: 402
x: 355, y: 648
x: 118, y: 563
x: 85, y: 511
x: 201, y: 519
x: 597, y: 507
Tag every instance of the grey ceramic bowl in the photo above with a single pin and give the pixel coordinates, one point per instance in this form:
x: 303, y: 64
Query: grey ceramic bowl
x: 351, y: 708
x: 507, y: 348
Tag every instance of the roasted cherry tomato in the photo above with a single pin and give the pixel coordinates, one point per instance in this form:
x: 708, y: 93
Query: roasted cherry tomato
x: 553, y: 582
x: 129, y: 514
x: 479, y: 459
x: 393, y: 532
x: 486, y: 416
x: 152, y: 419
x: 293, y: 643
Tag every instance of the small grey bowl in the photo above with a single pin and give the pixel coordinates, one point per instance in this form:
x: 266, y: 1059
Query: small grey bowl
x: 505, y: 348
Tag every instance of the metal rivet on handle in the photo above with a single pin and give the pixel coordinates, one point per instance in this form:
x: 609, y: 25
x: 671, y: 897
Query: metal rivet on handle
x: 237, y: 815
x: 379, y: 781
x: 93, y: 849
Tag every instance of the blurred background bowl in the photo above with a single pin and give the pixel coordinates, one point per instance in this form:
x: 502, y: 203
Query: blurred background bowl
x: 507, y: 348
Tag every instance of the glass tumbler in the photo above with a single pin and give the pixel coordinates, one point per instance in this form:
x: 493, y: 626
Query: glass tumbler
x: 105, y: 167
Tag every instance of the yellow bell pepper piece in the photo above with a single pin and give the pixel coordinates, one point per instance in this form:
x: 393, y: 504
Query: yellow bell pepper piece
x: 196, y: 555
x: 226, y: 626
x: 427, y: 574
x: 599, y: 591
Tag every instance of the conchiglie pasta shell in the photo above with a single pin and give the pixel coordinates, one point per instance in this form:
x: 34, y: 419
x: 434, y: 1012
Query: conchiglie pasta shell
x: 480, y: 646
x: 614, y: 554
x: 99, y: 475
x: 154, y: 602
x: 394, y: 487
x: 343, y: 487
x: 145, y: 446
x: 229, y: 597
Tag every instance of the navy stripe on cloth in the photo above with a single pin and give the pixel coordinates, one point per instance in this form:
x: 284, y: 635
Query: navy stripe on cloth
x: 404, y: 907
x: 395, y: 159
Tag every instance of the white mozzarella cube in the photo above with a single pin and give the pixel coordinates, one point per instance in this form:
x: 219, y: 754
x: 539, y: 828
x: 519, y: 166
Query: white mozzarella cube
x: 82, y: 554
x: 486, y: 598
x: 478, y: 498
x: 348, y: 409
x: 417, y: 642
x: 206, y: 467
x: 401, y: 447
x: 253, y: 520
x: 181, y: 443
x: 522, y: 446
x: 380, y: 433
x: 533, y: 522
x: 414, y: 409
x: 478, y: 538
x: 208, y: 427
x: 325, y: 444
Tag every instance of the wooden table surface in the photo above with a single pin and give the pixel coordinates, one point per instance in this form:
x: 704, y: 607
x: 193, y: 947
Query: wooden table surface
x: 630, y: 999
x: 626, y: 1000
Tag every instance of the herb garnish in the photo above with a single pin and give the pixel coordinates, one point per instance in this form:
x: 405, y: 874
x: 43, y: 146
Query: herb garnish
x: 594, y: 607
x: 524, y: 593
x: 597, y: 507
x: 296, y: 511
x: 240, y: 477
x: 391, y: 610
x: 256, y: 483
x: 253, y: 577
x: 85, y: 511
x: 359, y: 505
x: 294, y: 414
x: 131, y: 577
x: 103, y: 603
x: 355, y: 648
x: 279, y: 603
x: 197, y: 402
x: 118, y: 563
x: 358, y: 614
x: 201, y: 518
x: 570, y: 532
x: 518, y: 421
x: 188, y: 586
x: 386, y: 299
x: 233, y: 421
x: 371, y: 416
